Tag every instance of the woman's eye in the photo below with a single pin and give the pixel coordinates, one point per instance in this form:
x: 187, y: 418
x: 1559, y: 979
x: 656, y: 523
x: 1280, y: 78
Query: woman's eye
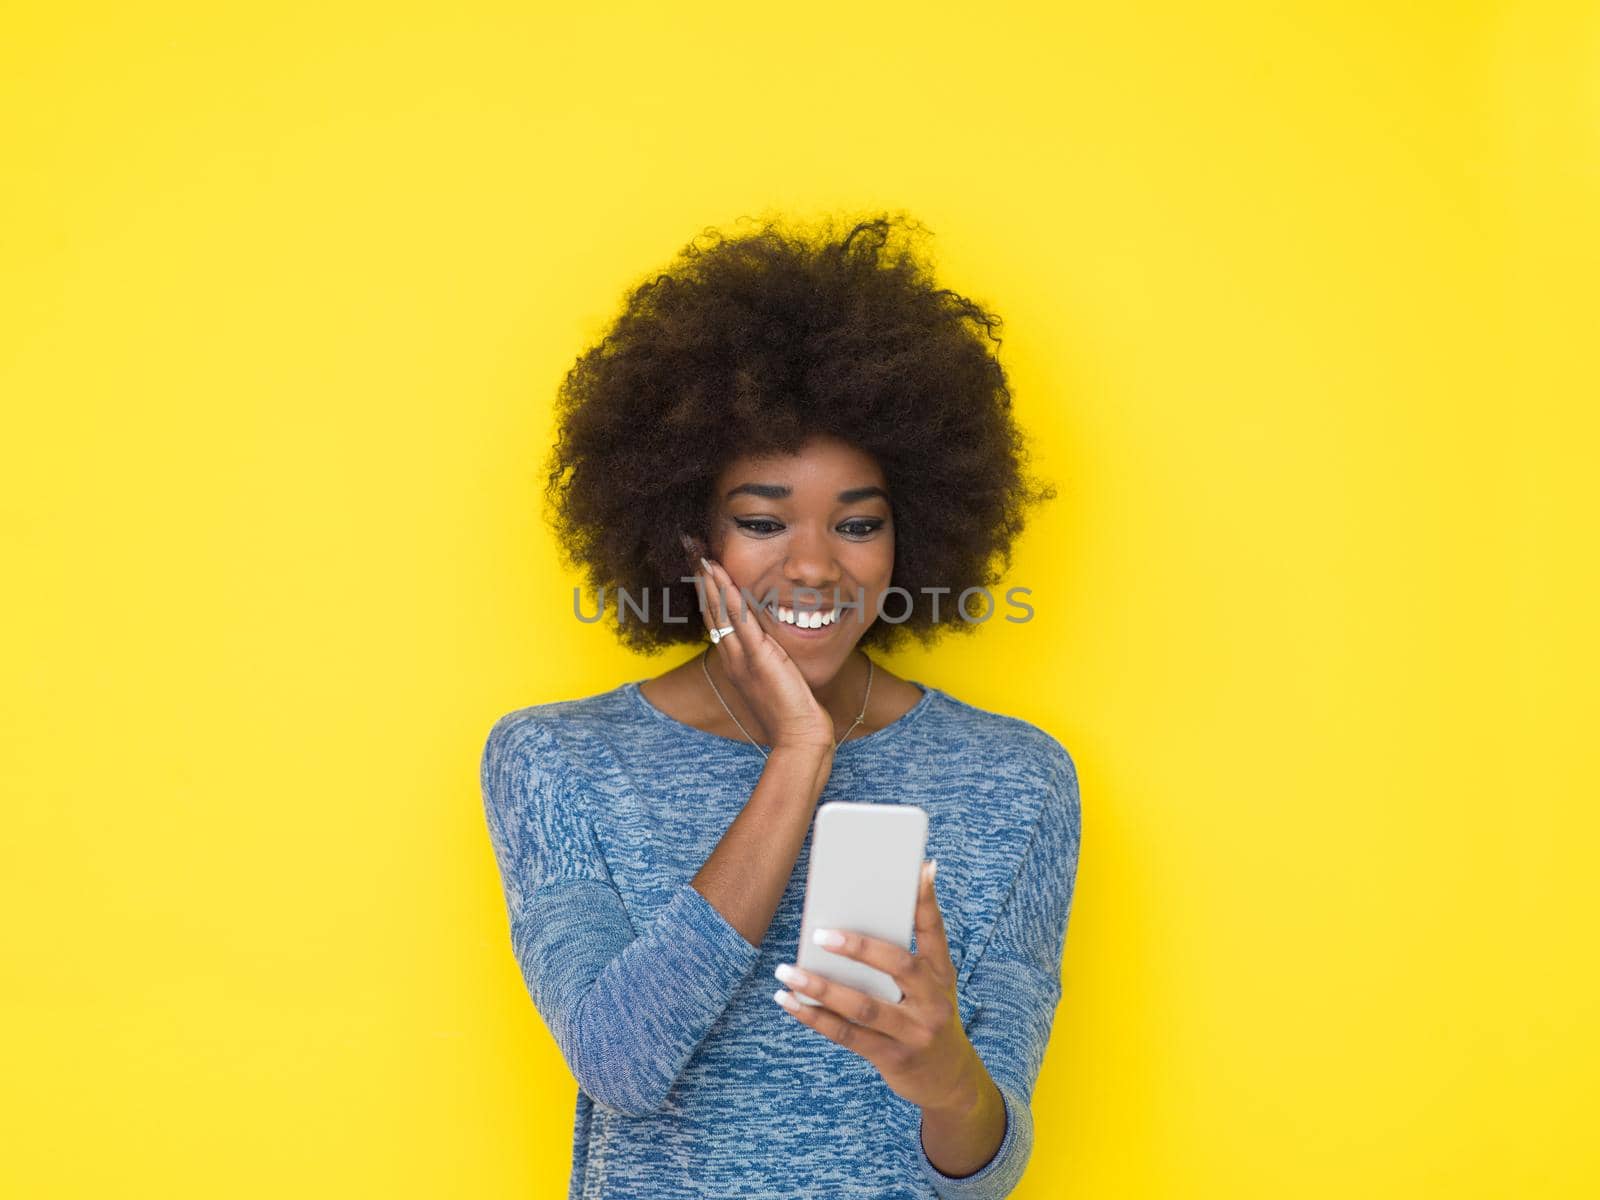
x: 855, y: 529
x: 861, y: 528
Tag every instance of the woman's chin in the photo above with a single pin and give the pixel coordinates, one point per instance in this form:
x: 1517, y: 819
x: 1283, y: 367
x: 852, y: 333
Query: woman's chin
x: 819, y: 664
x: 819, y: 653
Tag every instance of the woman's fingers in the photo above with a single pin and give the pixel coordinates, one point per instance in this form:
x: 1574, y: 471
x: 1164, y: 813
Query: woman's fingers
x: 932, y: 944
x: 877, y: 1048
x: 895, y: 961
x: 892, y: 1020
x: 714, y: 604
x: 739, y: 615
x: 933, y: 950
x: 735, y: 647
x: 719, y: 602
x: 713, y: 601
x: 748, y: 638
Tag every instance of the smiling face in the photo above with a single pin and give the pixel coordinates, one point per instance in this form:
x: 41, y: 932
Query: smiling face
x: 817, y: 519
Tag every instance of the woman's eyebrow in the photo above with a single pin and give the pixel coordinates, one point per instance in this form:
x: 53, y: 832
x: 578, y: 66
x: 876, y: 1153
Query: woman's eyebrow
x: 780, y: 491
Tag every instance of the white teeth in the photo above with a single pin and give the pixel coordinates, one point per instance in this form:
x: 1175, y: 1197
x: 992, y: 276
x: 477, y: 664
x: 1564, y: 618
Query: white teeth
x: 811, y: 620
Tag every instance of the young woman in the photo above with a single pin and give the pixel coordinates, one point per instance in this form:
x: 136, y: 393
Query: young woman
x: 806, y: 449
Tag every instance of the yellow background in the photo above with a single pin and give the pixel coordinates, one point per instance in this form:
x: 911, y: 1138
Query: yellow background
x: 1300, y: 311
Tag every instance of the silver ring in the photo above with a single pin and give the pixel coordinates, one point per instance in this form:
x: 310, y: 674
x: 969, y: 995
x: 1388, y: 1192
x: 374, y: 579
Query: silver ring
x: 718, y: 634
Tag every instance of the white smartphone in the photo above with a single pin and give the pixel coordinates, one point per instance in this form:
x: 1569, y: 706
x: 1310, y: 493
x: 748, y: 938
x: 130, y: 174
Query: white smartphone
x: 863, y: 877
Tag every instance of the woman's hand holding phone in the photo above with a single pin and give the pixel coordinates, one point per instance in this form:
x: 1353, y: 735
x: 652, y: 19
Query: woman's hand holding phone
x: 917, y: 1044
x: 766, y: 678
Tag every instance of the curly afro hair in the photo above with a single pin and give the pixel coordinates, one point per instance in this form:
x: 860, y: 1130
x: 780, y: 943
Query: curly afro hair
x: 755, y: 344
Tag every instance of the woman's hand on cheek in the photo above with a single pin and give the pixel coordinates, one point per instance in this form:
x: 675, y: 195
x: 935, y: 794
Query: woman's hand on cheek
x: 917, y: 1044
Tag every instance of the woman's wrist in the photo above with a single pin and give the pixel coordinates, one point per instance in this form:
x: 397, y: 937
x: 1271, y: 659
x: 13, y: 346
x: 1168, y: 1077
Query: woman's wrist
x: 801, y: 750
x: 964, y: 1097
x: 962, y: 1136
x: 814, y: 761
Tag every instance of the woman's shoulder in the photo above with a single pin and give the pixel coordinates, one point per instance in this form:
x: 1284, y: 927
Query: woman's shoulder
x: 1000, y: 735
x: 1012, y: 751
x: 557, y: 725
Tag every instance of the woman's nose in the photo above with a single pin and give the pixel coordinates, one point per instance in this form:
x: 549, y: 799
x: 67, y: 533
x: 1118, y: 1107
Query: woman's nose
x: 810, y: 562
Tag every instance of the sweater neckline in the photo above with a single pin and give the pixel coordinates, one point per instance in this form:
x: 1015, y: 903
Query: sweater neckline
x: 876, y: 737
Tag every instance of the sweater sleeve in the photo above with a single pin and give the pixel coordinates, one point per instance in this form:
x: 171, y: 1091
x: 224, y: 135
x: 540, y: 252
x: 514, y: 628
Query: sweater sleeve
x: 1016, y: 985
x: 627, y: 1009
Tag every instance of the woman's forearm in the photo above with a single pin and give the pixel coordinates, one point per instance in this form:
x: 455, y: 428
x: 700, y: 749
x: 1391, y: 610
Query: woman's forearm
x: 745, y: 875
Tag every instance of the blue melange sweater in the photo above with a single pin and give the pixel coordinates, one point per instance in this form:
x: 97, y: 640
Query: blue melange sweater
x: 692, y: 1082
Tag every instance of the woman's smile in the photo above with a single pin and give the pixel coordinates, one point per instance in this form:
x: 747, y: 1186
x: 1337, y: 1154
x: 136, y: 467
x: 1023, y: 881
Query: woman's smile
x: 787, y: 623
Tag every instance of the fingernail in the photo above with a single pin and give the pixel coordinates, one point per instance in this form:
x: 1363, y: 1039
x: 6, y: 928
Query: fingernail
x: 788, y: 974
x: 828, y: 937
x: 785, y: 999
x: 931, y: 869
x: 704, y: 563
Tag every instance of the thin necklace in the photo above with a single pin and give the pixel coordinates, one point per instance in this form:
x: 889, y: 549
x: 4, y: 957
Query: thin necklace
x: 870, y: 668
